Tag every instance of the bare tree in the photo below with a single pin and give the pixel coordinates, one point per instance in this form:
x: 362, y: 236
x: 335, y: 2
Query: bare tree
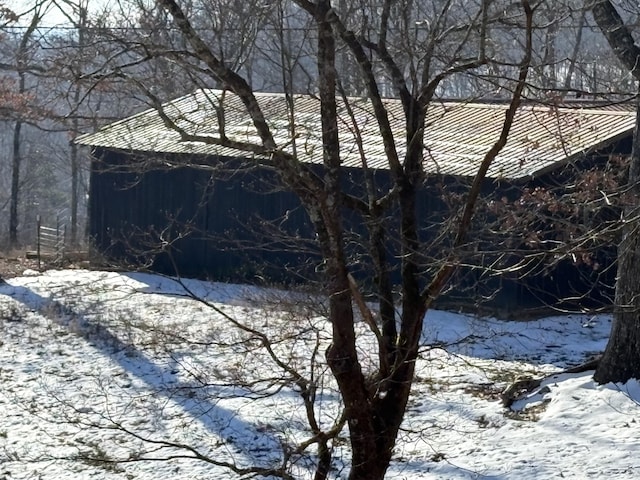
x: 621, y: 359
x: 63, y: 103
x: 405, y: 49
x: 21, y: 67
x: 78, y: 18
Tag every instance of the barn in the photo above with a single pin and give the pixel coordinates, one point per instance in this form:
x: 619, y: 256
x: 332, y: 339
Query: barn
x: 162, y: 199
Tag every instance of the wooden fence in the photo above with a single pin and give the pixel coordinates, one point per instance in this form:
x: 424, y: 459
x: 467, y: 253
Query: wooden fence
x: 50, y: 242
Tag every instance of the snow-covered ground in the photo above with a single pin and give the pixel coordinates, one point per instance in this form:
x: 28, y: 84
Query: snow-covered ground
x: 108, y: 375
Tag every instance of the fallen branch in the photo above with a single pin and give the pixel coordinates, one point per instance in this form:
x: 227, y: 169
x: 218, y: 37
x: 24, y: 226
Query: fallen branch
x: 524, y: 386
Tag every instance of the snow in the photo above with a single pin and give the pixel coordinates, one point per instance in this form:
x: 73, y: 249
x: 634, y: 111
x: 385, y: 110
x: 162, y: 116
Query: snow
x: 104, y: 366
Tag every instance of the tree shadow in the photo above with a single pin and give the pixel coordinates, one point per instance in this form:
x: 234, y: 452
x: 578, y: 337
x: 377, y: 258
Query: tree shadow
x: 255, y: 446
x: 559, y: 341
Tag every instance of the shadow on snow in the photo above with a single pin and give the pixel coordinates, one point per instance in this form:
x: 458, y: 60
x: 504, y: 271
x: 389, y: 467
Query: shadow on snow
x: 243, y: 438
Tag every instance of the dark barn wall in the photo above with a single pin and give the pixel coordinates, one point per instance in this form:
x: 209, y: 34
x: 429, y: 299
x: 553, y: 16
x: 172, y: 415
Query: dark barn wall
x: 237, y: 224
x: 196, y: 222
x: 556, y: 281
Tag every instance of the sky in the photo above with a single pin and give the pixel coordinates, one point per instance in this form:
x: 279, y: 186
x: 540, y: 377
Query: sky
x: 53, y: 17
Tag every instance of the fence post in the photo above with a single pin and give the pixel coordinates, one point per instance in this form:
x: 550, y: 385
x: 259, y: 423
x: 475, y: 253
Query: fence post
x: 38, y: 240
x: 57, y: 241
x: 63, y: 243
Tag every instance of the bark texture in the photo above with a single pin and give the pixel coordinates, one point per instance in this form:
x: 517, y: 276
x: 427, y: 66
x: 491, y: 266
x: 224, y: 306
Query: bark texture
x: 621, y: 359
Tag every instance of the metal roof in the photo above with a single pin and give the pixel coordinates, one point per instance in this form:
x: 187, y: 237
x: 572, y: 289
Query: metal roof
x: 457, y: 134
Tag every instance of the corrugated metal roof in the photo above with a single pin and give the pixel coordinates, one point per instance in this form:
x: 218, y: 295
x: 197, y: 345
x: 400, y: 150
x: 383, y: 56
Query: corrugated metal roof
x: 457, y: 134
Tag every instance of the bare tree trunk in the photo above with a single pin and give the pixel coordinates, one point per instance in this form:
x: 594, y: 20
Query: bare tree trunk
x: 21, y: 61
x: 75, y: 165
x: 342, y: 356
x: 374, y: 402
x: 621, y: 359
x: 550, y: 76
x: 576, y: 49
x: 15, y: 184
x: 74, y: 193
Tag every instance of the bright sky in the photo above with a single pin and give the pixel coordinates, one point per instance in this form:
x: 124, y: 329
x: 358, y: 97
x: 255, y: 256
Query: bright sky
x: 53, y: 17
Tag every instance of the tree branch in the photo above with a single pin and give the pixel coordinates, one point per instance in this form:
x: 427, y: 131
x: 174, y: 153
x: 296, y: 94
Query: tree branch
x: 446, y: 271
